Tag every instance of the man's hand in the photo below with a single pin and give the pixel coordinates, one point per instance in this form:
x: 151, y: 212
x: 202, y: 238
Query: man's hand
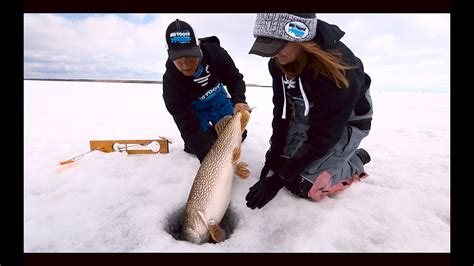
x: 242, y: 106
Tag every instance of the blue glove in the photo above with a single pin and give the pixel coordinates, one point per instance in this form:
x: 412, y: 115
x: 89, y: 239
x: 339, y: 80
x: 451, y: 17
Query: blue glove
x: 263, y: 191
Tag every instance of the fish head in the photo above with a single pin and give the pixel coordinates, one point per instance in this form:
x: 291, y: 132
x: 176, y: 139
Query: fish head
x: 196, y: 232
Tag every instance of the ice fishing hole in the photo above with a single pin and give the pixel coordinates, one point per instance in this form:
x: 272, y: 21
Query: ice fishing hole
x: 175, y: 223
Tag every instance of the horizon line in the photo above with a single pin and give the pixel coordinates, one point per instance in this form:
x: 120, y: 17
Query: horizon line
x: 247, y: 84
x: 120, y: 81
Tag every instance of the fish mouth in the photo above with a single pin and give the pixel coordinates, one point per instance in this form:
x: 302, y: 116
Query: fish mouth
x: 193, y: 236
x: 176, y: 228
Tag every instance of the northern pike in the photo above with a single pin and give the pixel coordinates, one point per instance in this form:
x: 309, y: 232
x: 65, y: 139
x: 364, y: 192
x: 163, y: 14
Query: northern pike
x: 210, y: 193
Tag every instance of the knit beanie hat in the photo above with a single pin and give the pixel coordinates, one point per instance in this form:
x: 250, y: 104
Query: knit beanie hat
x: 274, y: 30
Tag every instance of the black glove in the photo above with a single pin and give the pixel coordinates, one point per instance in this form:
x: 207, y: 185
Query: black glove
x: 272, y: 162
x: 265, y: 170
x: 288, y: 173
x: 263, y: 191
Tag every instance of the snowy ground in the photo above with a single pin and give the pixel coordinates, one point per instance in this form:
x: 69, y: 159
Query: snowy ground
x: 127, y: 203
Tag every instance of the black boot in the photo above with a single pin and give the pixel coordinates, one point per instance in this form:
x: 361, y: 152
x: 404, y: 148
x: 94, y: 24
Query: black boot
x: 363, y: 155
x: 188, y: 150
x: 299, y: 187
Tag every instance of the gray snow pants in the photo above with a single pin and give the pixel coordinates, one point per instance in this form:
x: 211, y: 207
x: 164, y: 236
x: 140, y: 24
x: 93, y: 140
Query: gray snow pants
x: 334, y: 171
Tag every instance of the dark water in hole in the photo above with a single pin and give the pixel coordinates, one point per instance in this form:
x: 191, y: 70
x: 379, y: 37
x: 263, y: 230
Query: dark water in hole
x: 175, y: 223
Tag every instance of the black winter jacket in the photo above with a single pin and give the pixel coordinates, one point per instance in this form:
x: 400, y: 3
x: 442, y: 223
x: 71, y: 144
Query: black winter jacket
x: 179, y: 91
x: 332, y: 106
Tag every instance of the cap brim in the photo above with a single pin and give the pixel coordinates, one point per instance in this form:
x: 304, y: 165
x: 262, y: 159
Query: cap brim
x: 189, y: 52
x: 267, y: 47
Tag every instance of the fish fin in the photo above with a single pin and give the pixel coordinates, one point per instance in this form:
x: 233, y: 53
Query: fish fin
x: 203, y: 217
x: 216, y: 232
x: 242, y: 170
x: 244, y: 119
x: 235, y: 154
x: 220, y: 126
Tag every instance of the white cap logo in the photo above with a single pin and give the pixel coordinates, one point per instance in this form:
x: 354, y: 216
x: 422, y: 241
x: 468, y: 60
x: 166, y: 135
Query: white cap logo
x: 296, y: 29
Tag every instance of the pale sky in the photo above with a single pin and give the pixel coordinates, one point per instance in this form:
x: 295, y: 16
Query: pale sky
x: 409, y: 52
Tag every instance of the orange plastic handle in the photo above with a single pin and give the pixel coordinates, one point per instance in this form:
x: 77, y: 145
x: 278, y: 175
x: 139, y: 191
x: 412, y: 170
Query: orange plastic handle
x: 66, y: 162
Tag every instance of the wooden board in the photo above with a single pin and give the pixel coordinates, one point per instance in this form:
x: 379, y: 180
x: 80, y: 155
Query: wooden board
x: 108, y: 145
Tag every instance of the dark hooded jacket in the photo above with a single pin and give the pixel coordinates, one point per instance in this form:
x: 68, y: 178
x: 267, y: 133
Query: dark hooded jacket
x: 179, y: 91
x: 332, y: 106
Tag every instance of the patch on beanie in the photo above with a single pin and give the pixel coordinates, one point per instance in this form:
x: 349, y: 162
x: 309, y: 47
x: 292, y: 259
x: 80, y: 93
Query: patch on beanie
x: 296, y: 29
x: 180, y: 37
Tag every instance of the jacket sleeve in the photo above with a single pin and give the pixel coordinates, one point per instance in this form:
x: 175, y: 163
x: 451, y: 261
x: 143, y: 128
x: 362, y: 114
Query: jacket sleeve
x: 328, y: 119
x: 230, y: 76
x: 178, y: 105
x: 279, y: 125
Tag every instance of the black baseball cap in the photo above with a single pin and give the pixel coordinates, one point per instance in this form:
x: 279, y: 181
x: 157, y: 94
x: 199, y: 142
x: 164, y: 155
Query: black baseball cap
x: 181, y: 40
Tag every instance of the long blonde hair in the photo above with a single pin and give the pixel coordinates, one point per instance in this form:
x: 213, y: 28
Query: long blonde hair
x: 327, y: 63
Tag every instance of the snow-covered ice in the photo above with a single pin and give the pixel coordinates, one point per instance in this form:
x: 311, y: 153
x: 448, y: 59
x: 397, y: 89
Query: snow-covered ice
x: 125, y: 203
